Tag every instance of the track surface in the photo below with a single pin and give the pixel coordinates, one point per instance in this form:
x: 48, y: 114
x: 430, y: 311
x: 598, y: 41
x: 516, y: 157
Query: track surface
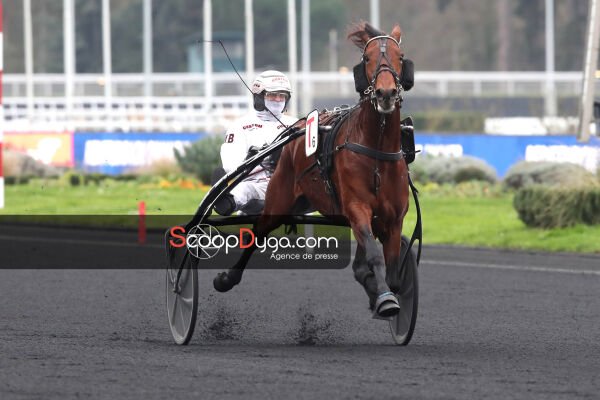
x: 492, y: 324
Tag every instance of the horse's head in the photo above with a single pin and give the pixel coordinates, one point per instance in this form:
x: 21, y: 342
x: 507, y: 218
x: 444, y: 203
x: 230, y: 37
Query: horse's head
x: 381, y: 65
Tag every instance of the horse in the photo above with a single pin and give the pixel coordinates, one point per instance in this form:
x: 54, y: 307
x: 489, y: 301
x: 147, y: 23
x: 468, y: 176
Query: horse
x: 371, y: 186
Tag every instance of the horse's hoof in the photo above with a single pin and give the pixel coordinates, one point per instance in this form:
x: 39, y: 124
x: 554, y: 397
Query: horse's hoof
x: 222, y: 283
x: 386, y: 306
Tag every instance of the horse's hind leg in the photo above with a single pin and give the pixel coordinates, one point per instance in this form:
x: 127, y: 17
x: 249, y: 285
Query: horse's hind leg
x: 386, y: 304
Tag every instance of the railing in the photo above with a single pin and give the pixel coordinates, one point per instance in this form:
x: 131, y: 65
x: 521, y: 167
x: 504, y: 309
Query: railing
x: 177, y: 101
x: 125, y: 114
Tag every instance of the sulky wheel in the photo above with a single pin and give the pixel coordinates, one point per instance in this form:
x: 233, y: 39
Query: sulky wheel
x: 403, y: 324
x: 182, y: 301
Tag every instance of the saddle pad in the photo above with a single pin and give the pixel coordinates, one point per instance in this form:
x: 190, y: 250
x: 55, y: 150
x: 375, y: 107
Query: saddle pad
x: 327, y: 145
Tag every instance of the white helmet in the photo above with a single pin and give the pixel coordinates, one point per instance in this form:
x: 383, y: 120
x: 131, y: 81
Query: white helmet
x: 271, y: 81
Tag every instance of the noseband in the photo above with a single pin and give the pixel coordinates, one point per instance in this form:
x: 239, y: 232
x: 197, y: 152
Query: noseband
x: 383, y: 40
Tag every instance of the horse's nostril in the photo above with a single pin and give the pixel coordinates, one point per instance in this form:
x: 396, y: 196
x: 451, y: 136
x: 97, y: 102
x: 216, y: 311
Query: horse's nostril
x: 385, y: 93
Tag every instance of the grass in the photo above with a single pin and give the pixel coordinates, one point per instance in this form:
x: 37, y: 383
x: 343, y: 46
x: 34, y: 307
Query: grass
x: 458, y: 219
x: 116, y: 198
x: 492, y: 222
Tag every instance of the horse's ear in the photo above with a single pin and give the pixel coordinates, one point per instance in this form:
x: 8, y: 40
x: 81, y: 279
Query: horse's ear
x: 397, y: 33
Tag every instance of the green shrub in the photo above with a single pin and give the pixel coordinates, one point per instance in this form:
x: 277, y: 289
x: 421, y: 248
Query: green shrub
x: 447, y: 121
x: 418, y: 169
x: 20, y: 167
x: 18, y: 180
x: 451, y: 169
x: 550, y: 207
x: 201, y: 158
x: 95, y: 178
x: 164, y: 168
x: 470, y: 189
x: 72, y: 178
x: 550, y: 173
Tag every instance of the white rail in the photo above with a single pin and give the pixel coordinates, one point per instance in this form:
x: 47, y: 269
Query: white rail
x: 179, y: 102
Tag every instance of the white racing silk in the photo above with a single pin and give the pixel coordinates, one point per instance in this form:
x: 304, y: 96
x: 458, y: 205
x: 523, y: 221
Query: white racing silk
x: 254, y: 129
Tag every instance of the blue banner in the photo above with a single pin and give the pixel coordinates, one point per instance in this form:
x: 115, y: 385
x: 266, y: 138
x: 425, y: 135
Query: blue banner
x: 116, y: 153
x: 502, y: 151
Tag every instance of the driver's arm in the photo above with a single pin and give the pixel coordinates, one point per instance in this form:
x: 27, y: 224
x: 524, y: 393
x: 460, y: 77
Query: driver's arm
x: 233, y: 150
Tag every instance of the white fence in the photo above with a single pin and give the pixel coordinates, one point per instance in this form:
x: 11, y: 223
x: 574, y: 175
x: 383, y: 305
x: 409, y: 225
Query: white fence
x: 177, y: 101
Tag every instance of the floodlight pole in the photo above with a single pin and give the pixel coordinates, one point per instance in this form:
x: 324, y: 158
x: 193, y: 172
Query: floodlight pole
x: 293, y: 54
x: 28, y: 56
x: 1, y: 111
x: 550, y: 92
x: 374, y: 12
x: 589, y: 79
x: 107, y: 58
x: 69, y: 57
x: 249, y: 14
x: 333, y: 50
x: 208, y: 79
x: 306, y: 85
x: 147, y: 48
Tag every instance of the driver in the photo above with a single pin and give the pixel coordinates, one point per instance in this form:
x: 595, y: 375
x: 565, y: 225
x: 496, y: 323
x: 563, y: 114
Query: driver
x: 246, y: 136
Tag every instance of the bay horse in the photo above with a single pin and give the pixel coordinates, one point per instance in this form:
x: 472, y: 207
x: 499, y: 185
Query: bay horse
x: 371, y: 185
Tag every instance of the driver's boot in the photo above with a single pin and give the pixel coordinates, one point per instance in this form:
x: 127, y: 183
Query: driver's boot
x: 225, y: 205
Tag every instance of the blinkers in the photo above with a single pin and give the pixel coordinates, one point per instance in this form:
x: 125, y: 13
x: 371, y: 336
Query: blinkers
x: 361, y: 82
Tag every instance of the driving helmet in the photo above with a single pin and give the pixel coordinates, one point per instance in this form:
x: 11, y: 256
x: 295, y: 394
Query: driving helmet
x: 270, y: 81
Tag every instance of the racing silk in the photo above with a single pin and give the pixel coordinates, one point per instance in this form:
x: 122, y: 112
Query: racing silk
x: 254, y: 129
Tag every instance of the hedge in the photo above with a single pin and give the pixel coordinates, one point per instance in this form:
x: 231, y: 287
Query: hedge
x: 201, y: 157
x: 548, y: 173
x: 446, y: 121
x: 451, y: 169
x: 552, y: 207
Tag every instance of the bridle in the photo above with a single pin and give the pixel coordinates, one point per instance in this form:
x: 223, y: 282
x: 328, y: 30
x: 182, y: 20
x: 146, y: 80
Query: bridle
x: 383, y: 41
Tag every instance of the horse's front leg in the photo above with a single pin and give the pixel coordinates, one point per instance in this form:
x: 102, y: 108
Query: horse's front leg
x: 386, y: 304
x: 364, y: 275
x: 278, y: 202
x: 392, y: 250
x: 225, y: 281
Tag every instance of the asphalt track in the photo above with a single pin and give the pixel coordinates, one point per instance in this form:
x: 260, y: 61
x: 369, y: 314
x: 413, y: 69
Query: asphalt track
x: 492, y: 324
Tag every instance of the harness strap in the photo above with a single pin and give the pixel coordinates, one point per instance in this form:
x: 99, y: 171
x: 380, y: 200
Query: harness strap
x: 369, y: 152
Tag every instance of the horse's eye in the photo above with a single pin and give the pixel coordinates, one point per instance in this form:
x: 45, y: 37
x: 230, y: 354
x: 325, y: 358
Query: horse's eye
x: 366, y: 59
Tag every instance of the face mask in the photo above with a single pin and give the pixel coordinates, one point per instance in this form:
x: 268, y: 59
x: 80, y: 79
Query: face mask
x: 276, y: 107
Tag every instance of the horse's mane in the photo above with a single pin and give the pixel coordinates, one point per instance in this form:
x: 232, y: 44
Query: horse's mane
x: 360, y: 32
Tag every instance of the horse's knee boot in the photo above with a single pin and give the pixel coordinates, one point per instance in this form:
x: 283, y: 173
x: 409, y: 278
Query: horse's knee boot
x: 391, y: 279
x: 394, y: 285
x: 366, y: 278
x: 362, y: 274
x: 376, y: 260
